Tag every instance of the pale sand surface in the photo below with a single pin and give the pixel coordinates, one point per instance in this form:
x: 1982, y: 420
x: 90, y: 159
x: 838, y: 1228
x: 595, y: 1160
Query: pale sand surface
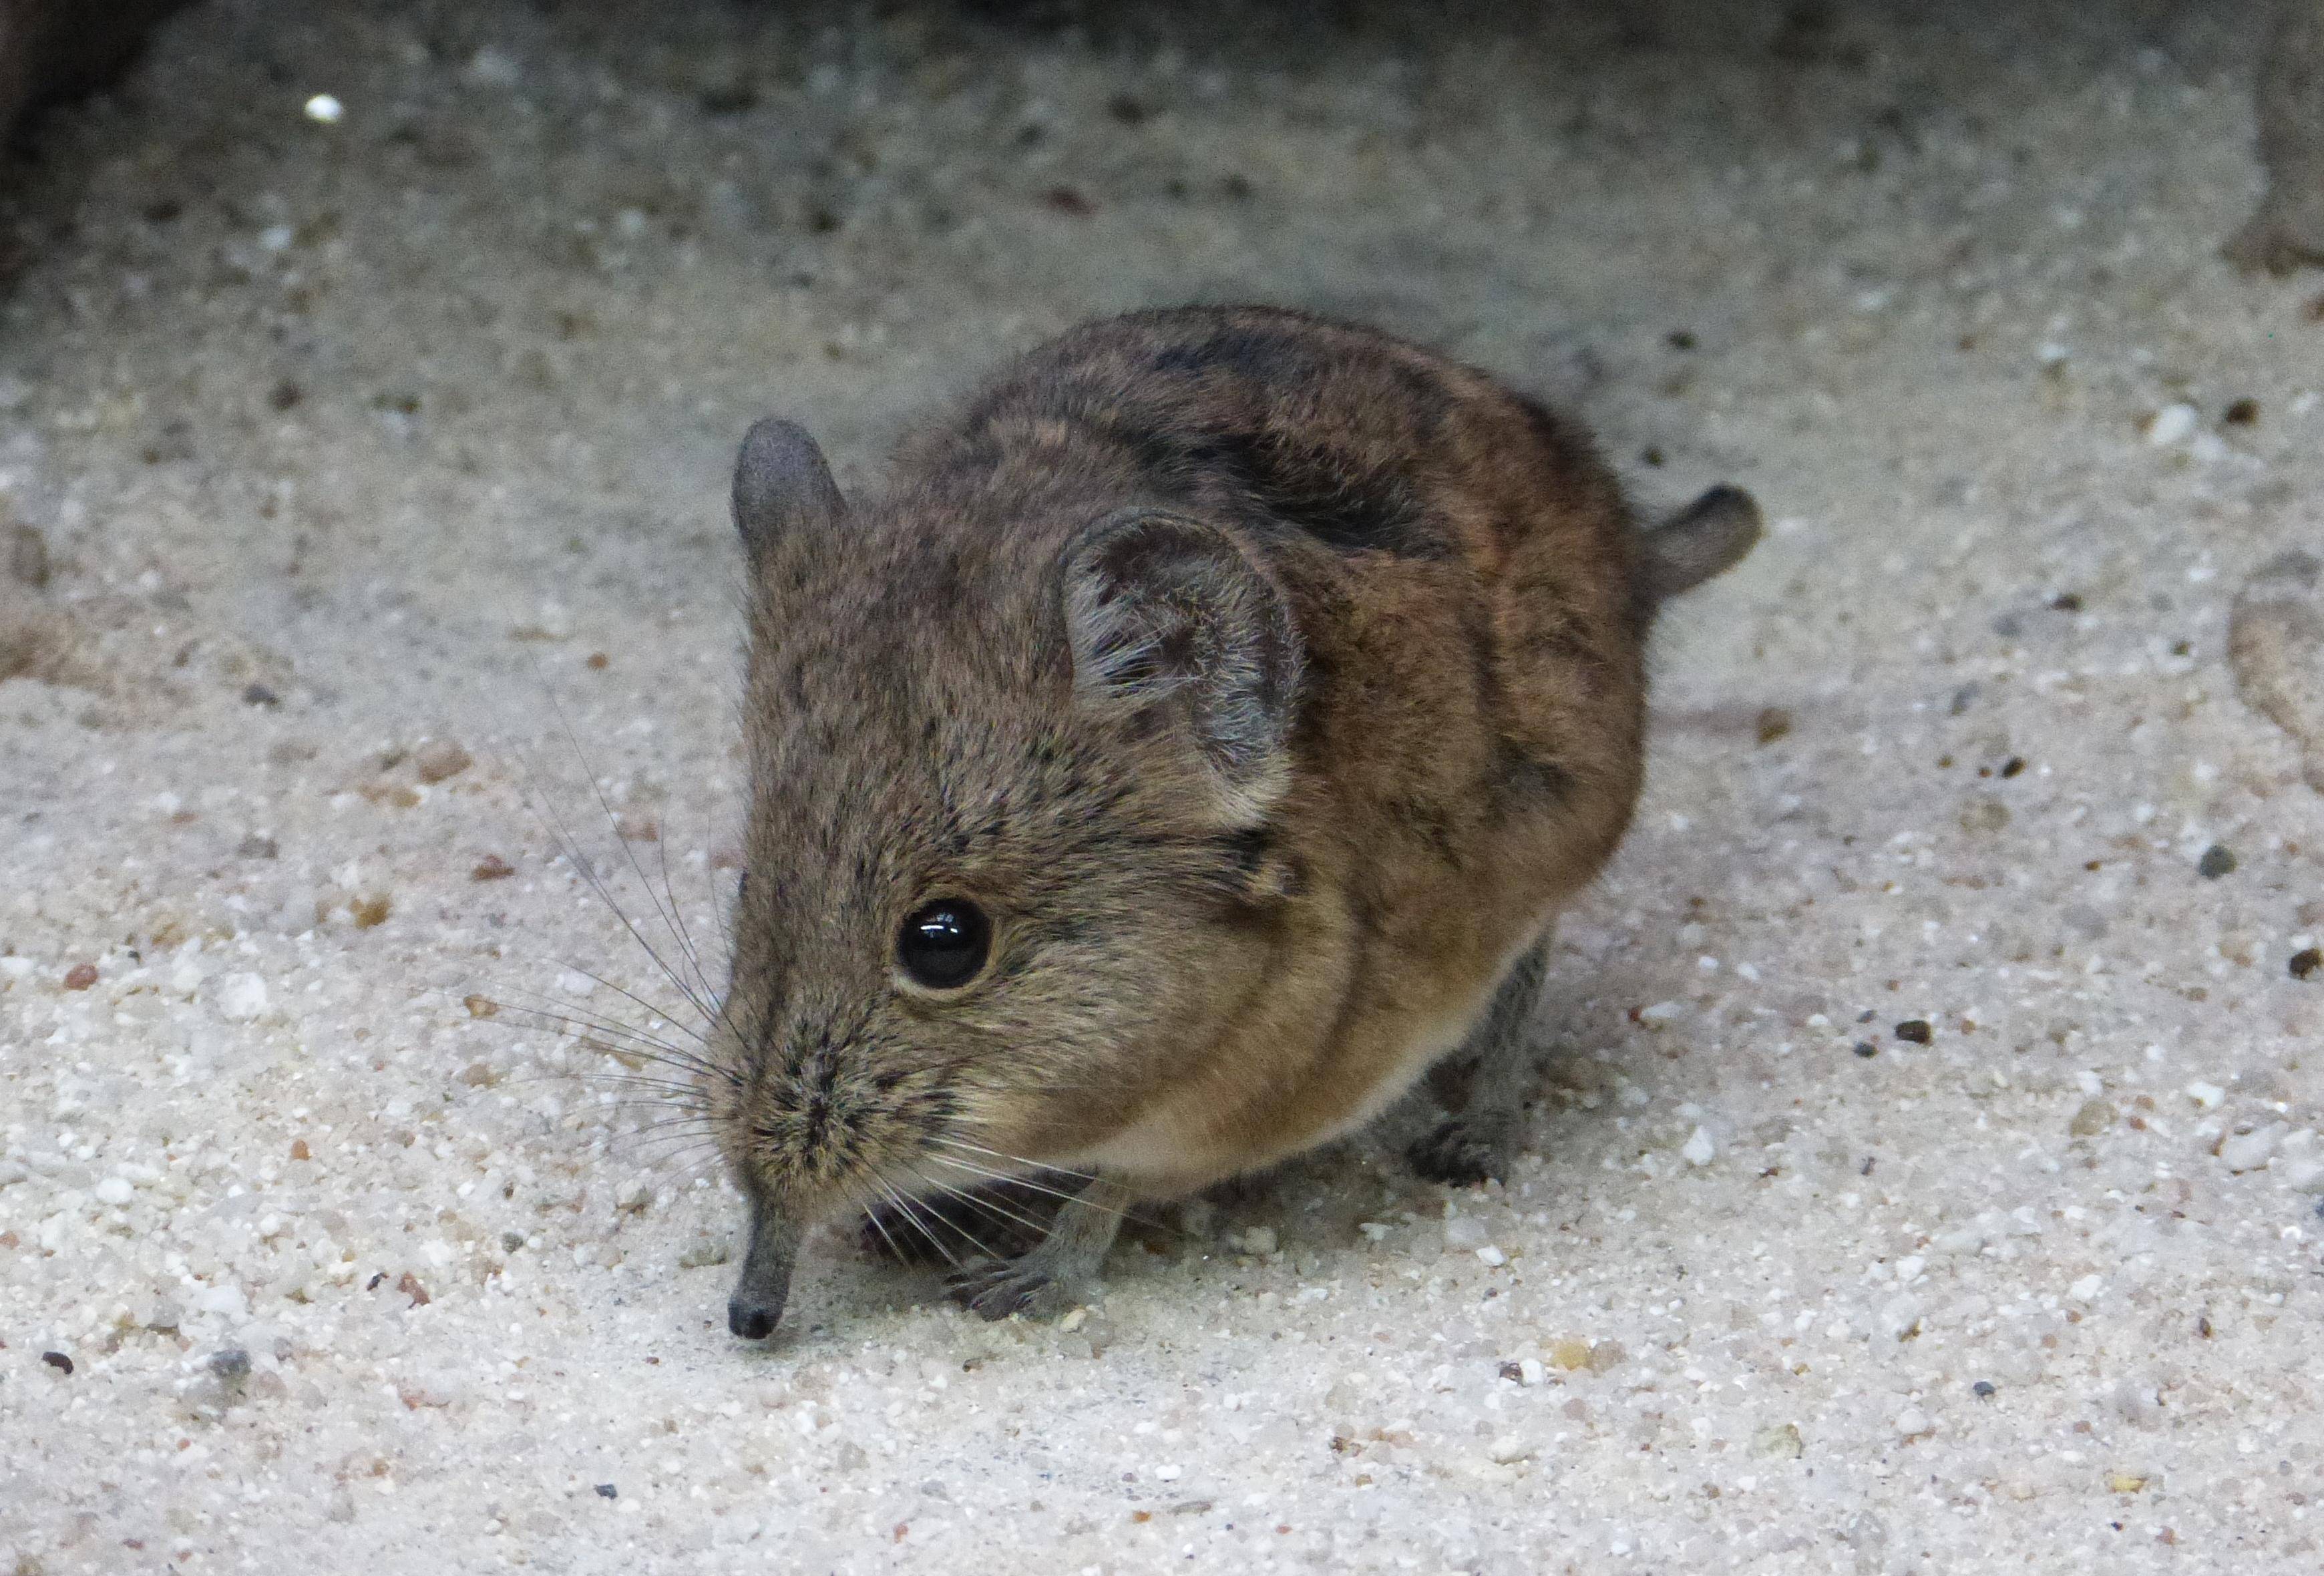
x: 409, y: 418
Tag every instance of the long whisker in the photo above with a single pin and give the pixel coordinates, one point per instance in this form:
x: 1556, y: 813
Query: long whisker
x: 1024, y: 1182
x: 913, y: 1215
x: 631, y: 854
x: 881, y: 1226
x: 985, y: 1202
x: 554, y: 825
x: 953, y: 1143
x: 588, y: 1024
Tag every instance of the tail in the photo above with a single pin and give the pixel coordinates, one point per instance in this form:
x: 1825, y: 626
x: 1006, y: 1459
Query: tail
x: 1706, y: 538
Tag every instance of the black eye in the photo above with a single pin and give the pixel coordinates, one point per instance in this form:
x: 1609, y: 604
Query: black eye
x: 944, y: 944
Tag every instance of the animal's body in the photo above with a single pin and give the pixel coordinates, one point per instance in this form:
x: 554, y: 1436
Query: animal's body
x: 1191, y: 746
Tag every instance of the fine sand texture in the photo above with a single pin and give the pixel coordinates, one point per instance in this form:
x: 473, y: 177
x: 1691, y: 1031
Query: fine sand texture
x: 1924, y: 1175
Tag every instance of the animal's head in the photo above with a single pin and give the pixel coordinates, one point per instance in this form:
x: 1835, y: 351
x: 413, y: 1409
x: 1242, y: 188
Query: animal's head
x: 1008, y: 838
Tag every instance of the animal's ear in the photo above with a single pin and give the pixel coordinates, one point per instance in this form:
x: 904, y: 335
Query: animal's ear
x: 782, y: 485
x: 1175, y: 627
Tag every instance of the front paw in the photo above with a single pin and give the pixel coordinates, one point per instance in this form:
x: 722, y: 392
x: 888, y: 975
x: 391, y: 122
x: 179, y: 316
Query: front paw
x: 996, y: 1289
x: 1465, y: 1150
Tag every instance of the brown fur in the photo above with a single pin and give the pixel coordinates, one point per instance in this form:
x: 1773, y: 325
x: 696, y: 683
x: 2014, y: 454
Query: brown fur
x: 1265, y: 784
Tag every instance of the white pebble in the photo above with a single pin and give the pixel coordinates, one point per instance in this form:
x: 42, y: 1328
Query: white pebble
x: 1464, y: 1231
x: 114, y: 1190
x: 240, y: 997
x: 325, y: 110
x: 2172, y: 424
x: 2250, y: 1151
x: 2207, y: 1095
x: 1170, y: 1474
x: 1261, y: 1240
x: 1510, y: 1449
x: 1530, y: 1371
x: 1912, y: 1422
x: 1491, y: 1257
x: 1660, y: 1013
x: 1697, y: 1150
x: 2087, y: 1290
x: 573, y: 982
x: 2305, y: 1174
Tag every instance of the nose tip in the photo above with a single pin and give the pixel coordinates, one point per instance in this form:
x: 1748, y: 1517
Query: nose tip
x: 751, y: 1319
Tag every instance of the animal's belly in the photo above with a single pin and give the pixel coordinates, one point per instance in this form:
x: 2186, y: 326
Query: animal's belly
x: 1180, y: 1147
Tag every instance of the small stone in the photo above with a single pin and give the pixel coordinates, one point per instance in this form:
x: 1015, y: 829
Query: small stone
x: 1570, y: 1354
x: 1774, y: 723
x: 701, y: 1253
x: 409, y: 1285
x: 2087, y: 1290
x: 1491, y: 1257
x: 1912, y: 1422
x: 231, y: 1364
x: 1605, y: 1356
x: 1983, y: 1390
x: 2218, y: 861
x: 440, y: 758
x: 1782, y: 1442
x: 1867, y: 1049
x: 2242, y: 412
x: 2172, y: 424
x: 255, y: 846
x: 1530, y: 1371
x: 2125, y: 1482
x: 635, y: 1197
x: 511, y: 1241
x: 2306, y: 962
x: 299, y: 1151
x: 80, y: 976
x: 607, y: 1491
x: 258, y: 695
x: 481, y: 1006
x: 1916, y: 1030
x: 114, y: 1190
x: 1261, y: 1241
x: 164, y: 1317
x: 1699, y: 1150
x: 2094, y: 1116
x: 240, y: 997
x: 1510, y: 1449
x: 59, y: 1361
x: 491, y: 868
x: 479, y: 1076
x: 2303, y: 1174
x: 2252, y: 1150
x: 370, y: 913
x: 2207, y: 1095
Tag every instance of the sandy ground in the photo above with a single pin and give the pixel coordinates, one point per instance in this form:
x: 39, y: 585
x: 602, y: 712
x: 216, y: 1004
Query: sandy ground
x: 359, y: 449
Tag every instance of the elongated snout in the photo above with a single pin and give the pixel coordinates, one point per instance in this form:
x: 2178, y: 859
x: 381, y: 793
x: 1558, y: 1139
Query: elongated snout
x: 765, y: 1285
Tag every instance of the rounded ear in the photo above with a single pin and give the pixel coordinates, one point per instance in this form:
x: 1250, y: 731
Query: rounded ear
x: 1172, y: 624
x: 782, y: 485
